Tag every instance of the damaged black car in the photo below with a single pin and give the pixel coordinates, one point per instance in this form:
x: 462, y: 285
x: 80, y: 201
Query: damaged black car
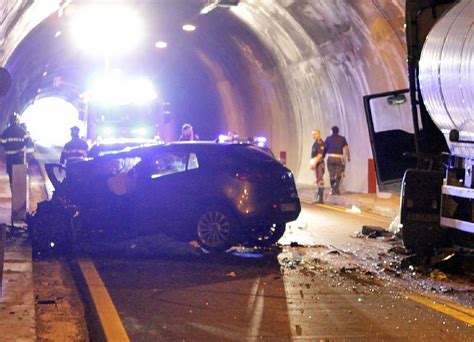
x: 218, y: 194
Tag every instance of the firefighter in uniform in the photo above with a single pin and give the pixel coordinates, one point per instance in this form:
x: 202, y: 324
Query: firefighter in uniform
x: 14, y: 140
x: 337, y: 152
x: 187, y: 133
x: 75, y: 149
x: 317, y: 163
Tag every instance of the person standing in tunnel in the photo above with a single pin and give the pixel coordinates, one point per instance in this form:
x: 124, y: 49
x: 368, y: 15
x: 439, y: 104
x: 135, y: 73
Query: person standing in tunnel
x: 187, y: 133
x: 75, y: 149
x: 14, y: 140
x: 337, y: 152
x: 318, y: 152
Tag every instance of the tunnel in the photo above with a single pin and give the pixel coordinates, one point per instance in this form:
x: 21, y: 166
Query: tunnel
x: 277, y: 68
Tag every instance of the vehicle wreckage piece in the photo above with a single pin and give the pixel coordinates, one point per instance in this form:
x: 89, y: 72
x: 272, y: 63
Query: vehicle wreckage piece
x: 50, y: 228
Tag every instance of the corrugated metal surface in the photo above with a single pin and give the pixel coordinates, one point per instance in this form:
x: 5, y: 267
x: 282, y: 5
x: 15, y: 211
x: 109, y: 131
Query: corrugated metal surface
x: 447, y: 74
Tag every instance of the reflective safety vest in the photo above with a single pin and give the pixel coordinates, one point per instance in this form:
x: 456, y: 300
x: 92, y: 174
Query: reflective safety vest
x: 14, y: 140
x: 76, y: 149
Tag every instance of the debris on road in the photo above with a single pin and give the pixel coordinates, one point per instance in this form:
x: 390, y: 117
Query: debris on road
x: 354, y: 210
x: 398, y: 249
x: 335, y: 249
x: 349, y: 269
x: 443, y: 257
x: 390, y: 268
x: 231, y: 274
x: 374, y: 231
x: 394, y: 227
x: 438, y: 275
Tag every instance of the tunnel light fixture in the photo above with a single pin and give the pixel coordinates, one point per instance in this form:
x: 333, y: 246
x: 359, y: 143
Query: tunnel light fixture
x: 107, y: 29
x: 57, y: 34
x: 161, y: 44
x: 189, y: 27
x: 213, y: 4
x: 209, y: 7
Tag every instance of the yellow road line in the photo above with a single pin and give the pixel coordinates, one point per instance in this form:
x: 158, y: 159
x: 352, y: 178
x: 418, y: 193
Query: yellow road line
x: 445, y: 307
x: 347, y: 211
x: 466, y: 310
x: 108, y: 315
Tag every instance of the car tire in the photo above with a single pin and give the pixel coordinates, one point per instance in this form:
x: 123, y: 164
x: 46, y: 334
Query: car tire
x: 216, y: 228
x: 422, y: 239
x: 269, y: 236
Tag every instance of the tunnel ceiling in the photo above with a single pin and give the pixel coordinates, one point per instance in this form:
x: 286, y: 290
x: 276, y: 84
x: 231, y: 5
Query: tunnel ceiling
x: 274, y: 67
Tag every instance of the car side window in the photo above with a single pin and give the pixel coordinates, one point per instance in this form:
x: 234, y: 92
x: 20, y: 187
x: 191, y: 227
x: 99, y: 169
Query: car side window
x: 168, y: 163
x: 118, y: 181
x: 193, y: 162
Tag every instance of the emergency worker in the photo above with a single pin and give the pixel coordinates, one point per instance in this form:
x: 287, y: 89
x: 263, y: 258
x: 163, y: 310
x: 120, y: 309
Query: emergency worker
x: 14, y: 140
x: 318, y: 152
x: 337, y: 150
x: 187, y: 133
x: 74, y: 150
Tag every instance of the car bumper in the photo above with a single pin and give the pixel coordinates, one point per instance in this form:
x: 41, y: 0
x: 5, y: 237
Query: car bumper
x: 269, y: 213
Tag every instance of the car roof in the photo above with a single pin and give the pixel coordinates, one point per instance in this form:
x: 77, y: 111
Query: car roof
x: 124, y: 141
x: 178, y: 145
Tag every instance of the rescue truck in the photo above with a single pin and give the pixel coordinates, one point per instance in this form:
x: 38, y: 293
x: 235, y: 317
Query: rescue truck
x: 434, y: 157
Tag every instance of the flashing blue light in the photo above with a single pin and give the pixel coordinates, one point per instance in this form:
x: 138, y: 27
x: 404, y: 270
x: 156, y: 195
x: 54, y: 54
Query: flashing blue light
x: 223, y: 138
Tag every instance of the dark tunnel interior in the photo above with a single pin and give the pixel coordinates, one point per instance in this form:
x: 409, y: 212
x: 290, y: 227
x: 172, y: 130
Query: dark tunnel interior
x: 184, y: 73
x: 277, y: 68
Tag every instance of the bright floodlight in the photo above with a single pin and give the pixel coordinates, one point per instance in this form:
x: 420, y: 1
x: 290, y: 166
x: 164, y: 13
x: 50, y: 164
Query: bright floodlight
x: 161, y: 44
x: 107, y: 30
x: 112, y: 89
x: 49, y: 121
x: 189, y: 27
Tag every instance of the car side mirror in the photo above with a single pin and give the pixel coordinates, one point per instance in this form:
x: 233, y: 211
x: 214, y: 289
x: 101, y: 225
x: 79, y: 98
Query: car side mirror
x: 56, y: 173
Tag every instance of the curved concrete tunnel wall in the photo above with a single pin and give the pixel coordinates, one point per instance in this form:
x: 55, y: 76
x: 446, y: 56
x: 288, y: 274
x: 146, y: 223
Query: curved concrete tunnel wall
x: 327, y: 55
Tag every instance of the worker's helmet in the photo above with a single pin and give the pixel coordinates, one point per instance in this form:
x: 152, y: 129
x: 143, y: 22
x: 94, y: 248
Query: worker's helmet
x: 14, y: 119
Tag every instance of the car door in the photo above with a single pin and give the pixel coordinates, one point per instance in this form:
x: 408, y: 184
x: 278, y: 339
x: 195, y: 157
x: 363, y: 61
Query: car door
x: 167, y: 190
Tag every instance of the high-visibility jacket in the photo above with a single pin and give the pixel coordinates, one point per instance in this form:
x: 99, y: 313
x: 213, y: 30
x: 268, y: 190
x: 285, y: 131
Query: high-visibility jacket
x: 75, y: 149
x: 14, y: 140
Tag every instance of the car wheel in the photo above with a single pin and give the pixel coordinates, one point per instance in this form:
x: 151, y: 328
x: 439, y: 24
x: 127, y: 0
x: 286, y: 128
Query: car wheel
x: 216, y: 228
x: 269, y: 236
x: 422, y: 238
